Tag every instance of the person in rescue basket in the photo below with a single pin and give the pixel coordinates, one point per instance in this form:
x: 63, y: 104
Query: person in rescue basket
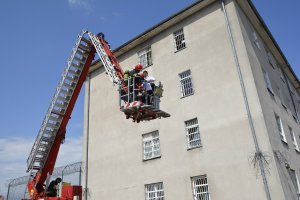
x: 149, y: 87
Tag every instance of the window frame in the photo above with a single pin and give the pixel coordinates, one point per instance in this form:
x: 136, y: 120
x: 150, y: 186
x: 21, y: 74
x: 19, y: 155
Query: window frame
x: 198, y: 189
x: 144, y: 52
x: 151, y: 137
x: 179, y: 35
x: 271, y: 59
x: 268, y: 82
x: 256, y: 39
x: 185, y: 81
x: 280, y: 128
x: 195, y: 134
x: 159, y: 187
x: 296, y: 184
x: 294, y: 140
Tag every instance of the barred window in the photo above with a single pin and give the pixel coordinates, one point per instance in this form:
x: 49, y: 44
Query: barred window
x: 295, y: 180
x: 192, y: 133
x: 294, y: 139
x: 179, y: 40
x: 255, y: 39
x: 154, y: 191
x: 200, y: 188
x: 145, y: 57
x: 186, y: 83
x: 280, y: 128
x: 268, y: 82
x: 151, y: 145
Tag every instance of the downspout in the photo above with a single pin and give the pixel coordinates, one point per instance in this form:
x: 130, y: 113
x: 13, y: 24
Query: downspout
x: 87, y: 136
x: 258, y: 152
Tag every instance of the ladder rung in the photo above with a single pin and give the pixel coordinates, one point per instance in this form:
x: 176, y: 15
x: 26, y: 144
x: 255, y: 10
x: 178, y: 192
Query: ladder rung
x: 61, y: 112
x: 87, y: 41
x: 66, y: 92
x: 79, y: 65
x: 55, y: 119
x: 82, y: 53
x: 83, y: 47
x: 47, y: 139
x: 41, y: 152
x: 72, y: 79
x: 53, y: 126
x: 63, y: 99
x: 77, y: 72
x: 61, y: 106
x: 48, y: 132
x: 36, y: 168
x: 80, y: 60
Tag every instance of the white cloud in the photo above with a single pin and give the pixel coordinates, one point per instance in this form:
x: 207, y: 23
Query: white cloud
x: 14, y: 153
x: 84, y: 4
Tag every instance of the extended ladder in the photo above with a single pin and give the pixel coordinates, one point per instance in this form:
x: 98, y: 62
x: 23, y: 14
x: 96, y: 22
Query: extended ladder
x: 59, y: 103
x: 42, y: 157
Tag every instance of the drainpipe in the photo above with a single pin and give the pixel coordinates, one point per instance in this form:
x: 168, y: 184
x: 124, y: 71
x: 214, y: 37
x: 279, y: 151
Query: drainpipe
x: 258, y: 153
x: 87, y: 136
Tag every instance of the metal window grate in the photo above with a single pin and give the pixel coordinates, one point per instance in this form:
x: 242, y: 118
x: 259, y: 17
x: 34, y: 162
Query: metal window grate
x: 280, y: 128
x: 255, y: 39
x: 192, y: 133
x: 186, y: 83
x: 151, y: 145
x: 179, y: 40
x: 200, y: 188
x: 295, y: 179
x: 145, y: 57
x: 293, y: 139
x: 154, y: 191
x: 268, y: 82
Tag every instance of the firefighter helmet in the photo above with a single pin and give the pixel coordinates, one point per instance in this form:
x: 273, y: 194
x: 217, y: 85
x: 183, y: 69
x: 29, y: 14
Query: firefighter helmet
x: 138, y: 67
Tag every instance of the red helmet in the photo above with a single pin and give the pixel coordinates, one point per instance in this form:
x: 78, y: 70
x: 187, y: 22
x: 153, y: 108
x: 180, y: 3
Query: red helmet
x: 138, y: 67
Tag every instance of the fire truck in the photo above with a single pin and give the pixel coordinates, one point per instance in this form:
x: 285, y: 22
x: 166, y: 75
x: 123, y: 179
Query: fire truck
x: 135, y: 104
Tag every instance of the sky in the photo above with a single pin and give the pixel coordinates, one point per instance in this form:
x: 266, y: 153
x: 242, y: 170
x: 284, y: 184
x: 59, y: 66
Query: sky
x: 37, y: 39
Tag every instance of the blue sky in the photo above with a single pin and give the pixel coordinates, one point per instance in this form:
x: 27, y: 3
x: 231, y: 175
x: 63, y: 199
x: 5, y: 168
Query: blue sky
x: 37, y: 38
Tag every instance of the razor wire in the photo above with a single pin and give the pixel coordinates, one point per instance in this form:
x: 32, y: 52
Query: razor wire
x: 17, y: 188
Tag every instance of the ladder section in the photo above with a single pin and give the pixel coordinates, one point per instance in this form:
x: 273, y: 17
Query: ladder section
x: 107, y: 63
x: 59, y: 104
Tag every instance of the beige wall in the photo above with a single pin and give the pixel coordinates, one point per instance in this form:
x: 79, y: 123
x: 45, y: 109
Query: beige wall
x: 273, y: 104
x: 116, y: 166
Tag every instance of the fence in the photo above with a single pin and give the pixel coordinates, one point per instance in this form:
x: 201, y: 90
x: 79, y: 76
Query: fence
x: 17, y: 188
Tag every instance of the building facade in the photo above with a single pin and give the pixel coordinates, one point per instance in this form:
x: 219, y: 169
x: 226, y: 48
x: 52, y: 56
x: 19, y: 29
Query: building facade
x: 234, y: 104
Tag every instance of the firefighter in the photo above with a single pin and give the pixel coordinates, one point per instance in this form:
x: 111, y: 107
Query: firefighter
x: 134, y: 76
x: 53, y: 187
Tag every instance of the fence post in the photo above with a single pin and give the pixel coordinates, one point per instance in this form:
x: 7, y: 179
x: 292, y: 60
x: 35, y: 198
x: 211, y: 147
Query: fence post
x: 7, y: 195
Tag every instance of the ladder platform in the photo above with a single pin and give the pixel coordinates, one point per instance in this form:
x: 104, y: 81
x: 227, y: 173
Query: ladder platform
x: 139, y: 111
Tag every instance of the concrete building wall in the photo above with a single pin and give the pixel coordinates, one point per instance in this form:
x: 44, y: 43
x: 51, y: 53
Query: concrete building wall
x: 271, y: 103
x: 116, y: 168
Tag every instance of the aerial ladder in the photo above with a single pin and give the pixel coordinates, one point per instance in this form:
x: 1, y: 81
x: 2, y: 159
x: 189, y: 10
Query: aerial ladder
x: 43, y: 155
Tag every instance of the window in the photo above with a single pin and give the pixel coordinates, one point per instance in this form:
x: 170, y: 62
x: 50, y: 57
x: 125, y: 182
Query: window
x: 151, y: 145
x: 192, y: 133
x: 154, y: 191
x: 179, y: 40
x: 200, y: 188
x: 294, y: 139
x: 145, y: 57
x: 255, y: 39
x: 281, y: 97
x: 295, y: 179
x: 271, y: 59
x: 280, y: 128
x: 268, y: 82
x: 186, y: 83
x: 281, y: 74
